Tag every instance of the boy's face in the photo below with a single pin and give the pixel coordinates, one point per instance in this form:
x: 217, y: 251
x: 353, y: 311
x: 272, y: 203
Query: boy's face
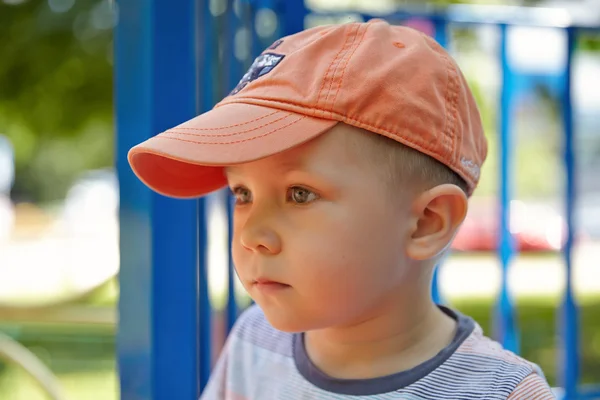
x: 320, y: 222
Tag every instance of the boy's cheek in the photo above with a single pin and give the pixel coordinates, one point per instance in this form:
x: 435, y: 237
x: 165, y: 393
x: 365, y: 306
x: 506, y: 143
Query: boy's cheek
x: 239, y: 260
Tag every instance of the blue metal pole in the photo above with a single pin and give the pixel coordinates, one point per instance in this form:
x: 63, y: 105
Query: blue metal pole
x: 133, y: 115
x: 569, y: 321
x: 232, y: 65
x: 232, y: 306
x: 441, y: 31
x: 441, y: 36
x: 232, y: 75
x: 505, y: 320
x: 246, y: 21
x: 204, y: 337
x: 174, y: 227
x: 256, y: 46
x: 293, y: 14
x: 204, y: 91
x: 175, y: 232
x: 159, y: 304
x: 472, y: 15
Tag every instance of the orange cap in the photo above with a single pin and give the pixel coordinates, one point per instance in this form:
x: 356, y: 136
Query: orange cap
x: 390, y: 80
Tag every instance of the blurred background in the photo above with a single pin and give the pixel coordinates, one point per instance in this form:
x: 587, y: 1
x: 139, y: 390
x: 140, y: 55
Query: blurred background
x: 59, y: 255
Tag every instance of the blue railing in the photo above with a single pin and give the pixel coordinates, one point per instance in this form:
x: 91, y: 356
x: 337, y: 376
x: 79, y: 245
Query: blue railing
x: 176, y: 59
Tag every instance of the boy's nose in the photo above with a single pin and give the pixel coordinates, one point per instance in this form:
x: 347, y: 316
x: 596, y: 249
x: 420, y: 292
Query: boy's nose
x: 259, y: 238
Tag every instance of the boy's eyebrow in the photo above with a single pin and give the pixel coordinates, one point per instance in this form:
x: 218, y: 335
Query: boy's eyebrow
x: 292, y: 164
x: 286, y: 165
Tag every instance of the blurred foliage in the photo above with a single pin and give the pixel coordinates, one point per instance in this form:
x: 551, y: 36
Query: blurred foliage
x: 588, y: 42
x: 82, y: 357
x: 56, y: 97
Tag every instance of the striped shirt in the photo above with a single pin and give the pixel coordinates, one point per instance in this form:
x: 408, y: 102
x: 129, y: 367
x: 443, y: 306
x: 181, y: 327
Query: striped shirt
x: 259, y: 362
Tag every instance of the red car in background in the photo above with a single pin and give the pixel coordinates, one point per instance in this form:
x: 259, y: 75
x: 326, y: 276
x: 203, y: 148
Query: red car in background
x: 534, y: 227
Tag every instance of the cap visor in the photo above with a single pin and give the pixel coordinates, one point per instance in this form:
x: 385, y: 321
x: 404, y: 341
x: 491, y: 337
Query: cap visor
x: 188, y: 160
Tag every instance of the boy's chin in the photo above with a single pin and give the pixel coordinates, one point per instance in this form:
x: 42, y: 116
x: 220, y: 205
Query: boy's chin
x: 286, y: 321
x: 286, y: 324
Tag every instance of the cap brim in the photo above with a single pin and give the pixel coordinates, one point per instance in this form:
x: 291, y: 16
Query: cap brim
x: 188, y: 160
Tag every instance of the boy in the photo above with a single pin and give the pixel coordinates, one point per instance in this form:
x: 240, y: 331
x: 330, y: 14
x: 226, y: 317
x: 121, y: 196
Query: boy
x: 351, y: 151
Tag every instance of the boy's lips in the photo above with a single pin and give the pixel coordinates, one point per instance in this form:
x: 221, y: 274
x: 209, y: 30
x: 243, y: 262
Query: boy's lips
x: 267, y: 281
x: 268, y: 285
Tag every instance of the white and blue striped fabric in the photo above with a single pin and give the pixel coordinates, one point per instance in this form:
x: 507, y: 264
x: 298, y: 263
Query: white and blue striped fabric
x: 259, y: 362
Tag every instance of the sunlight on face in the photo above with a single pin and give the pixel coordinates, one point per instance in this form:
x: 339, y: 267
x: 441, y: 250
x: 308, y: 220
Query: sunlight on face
x: 318, y: 241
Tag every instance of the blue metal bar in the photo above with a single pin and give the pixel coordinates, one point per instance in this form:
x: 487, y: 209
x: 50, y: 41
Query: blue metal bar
x: 470, y: 14
x: 436, y: 295
x: 204, y: 336
x: 232, y: 76
x: 205, y: 54
x: 441, y: 36
x: 232, y: 306
x: 158, y: 324
x: 257, y: 46
x: 293, y: 14
x: 133, y: 115
x: 205, y: 94
x: 505, y: 320
x: 232, y: 65
x: 441, y: 32
x: 175, y: 325
x: 247, y: 22
x: 569, y: 326
x: 175, y: 233
x: 590, y: 392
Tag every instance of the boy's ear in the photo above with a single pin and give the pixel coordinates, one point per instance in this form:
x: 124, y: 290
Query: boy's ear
x: 436, y: 215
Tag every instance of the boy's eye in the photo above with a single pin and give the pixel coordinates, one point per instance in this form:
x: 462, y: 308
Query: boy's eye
x: 242, y: 195
x: 295, y: 194
x: 300, y: 195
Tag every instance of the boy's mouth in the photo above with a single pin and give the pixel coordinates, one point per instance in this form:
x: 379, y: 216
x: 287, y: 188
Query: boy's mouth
x: 265, y: 284
x: 267, y: 281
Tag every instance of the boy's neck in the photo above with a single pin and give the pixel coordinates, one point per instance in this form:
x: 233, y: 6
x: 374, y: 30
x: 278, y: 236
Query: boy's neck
x: 395, y: 339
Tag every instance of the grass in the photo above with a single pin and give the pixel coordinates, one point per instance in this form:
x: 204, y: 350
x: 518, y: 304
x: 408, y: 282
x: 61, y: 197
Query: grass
x: 82, y: 358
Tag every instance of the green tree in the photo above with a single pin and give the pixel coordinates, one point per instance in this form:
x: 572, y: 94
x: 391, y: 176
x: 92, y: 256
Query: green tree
x: 56, y: 91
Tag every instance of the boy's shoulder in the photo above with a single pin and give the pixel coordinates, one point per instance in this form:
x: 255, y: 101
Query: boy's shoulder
x: 477, y: 367
x: 480, y: 346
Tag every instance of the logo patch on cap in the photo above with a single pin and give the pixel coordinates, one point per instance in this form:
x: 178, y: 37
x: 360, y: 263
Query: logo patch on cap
x: 275, y: 44
x: 471, y: 166
x: 262, y: 65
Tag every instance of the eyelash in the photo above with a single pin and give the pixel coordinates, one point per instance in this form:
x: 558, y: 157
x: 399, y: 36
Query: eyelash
x: 237, y: 189
x: 235, y: 192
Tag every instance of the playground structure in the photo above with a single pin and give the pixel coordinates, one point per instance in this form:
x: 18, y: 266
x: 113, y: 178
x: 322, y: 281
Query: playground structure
x: 174, y: 60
